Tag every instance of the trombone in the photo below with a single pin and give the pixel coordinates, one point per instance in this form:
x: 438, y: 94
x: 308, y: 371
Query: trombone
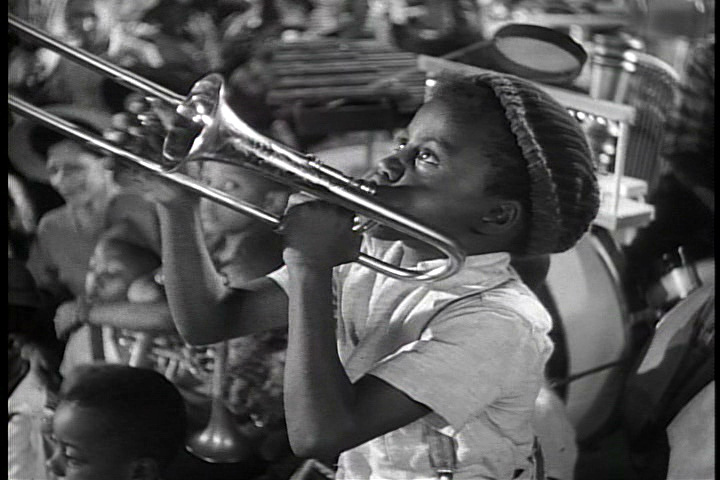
x: 223, y: 136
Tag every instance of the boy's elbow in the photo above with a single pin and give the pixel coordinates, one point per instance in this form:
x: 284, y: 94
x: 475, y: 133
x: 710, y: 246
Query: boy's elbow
x: 322, y: 443
x: 197, y: 334
x: 314, y: 446
x: 198, y: 329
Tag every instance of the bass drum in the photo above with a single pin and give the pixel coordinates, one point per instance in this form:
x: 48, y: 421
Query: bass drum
x: 592, y: 332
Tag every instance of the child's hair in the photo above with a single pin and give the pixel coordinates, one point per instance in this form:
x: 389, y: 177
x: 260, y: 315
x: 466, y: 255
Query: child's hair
x: 130, y: 242
x: 42, y: 139
x: 539, y: 153
x: 139, y: 259
x: 144, y: 409
x: 24, y: 304
x: 23, y: 298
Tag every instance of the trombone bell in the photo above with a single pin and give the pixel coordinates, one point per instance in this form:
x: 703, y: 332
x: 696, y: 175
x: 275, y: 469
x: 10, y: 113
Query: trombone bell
x: 223, y: 136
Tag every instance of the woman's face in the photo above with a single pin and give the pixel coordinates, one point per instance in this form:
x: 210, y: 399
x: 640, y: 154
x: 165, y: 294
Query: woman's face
x: 77, y: 174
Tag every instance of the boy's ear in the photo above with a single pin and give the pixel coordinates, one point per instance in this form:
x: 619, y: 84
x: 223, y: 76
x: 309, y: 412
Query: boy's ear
x: 499, y: 217
x: 145, y: 469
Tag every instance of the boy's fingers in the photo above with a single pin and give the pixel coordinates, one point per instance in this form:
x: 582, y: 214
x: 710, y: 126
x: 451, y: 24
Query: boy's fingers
x: 122, y: 120
x: 163, y: 111
x: 115, y: 136
x: 311, y: 213
x: 136, y: 103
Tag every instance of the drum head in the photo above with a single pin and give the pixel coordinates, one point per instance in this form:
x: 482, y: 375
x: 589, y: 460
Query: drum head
x: 584, y: 285
x: 537, y: 53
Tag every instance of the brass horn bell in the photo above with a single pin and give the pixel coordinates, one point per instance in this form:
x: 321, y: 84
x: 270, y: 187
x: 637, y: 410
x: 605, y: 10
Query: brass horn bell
x: 219, y: 441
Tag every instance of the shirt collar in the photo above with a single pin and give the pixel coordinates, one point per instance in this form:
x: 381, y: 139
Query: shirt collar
x: 479, y: 271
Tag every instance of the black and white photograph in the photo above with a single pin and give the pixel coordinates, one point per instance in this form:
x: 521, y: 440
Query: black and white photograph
x: 361, y: 240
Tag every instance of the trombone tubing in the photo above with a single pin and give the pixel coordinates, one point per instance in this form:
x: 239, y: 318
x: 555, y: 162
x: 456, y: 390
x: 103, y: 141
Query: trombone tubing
x: 95, y: 63
x: 67, y: 128
x: 455, y: 256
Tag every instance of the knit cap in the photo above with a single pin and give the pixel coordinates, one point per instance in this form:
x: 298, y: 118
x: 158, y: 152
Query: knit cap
x: 564, y: 194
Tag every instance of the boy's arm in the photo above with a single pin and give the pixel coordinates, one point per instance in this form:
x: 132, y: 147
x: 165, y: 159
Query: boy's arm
x: 203, y: 308
x: 326, y: 413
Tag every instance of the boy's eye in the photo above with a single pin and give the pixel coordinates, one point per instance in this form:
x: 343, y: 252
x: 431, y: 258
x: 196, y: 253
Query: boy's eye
x: 400, y: 145
x: 427, y: 157
x: 70, y: 457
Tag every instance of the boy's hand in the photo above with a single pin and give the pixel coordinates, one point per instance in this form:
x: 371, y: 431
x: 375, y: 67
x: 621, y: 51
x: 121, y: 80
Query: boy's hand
x: 161, y: 190
x: 319, y: 235
x: 142, y: 129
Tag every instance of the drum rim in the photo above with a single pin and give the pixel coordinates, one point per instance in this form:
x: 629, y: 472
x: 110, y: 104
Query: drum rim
x: 544, y: 34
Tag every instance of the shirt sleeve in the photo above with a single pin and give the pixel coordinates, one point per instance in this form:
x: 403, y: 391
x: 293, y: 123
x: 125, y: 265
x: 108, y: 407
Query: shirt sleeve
x: 24, y: 455
x: 463, y: 361
x: 282, y: 278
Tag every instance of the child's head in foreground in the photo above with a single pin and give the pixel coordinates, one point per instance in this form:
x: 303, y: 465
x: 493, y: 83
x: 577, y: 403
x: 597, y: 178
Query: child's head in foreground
x: 115, y: 422
x: 497, y: 164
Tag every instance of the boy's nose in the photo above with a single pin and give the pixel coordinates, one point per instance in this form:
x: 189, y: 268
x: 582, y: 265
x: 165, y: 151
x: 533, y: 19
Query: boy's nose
x: 392, y: 168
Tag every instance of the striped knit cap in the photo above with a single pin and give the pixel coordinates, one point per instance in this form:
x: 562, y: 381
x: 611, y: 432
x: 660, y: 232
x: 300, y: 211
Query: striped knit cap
x: 564, y: 195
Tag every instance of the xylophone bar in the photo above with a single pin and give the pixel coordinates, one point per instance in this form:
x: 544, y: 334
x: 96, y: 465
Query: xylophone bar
x: 337, y: 67
x: 363, y: 78
x: 339, y: 85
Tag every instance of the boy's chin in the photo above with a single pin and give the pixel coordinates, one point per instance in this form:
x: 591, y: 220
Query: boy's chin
x: 381, y: 232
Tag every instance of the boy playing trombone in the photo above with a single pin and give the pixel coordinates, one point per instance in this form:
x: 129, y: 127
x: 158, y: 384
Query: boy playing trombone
x: 403, y: 379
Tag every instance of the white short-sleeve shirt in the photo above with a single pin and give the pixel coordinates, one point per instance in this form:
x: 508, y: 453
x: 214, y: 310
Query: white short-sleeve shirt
x: 471, y: 347
x: 26, y: 409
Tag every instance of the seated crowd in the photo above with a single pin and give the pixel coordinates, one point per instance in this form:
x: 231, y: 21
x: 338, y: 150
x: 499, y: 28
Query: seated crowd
x: 114, y: 311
